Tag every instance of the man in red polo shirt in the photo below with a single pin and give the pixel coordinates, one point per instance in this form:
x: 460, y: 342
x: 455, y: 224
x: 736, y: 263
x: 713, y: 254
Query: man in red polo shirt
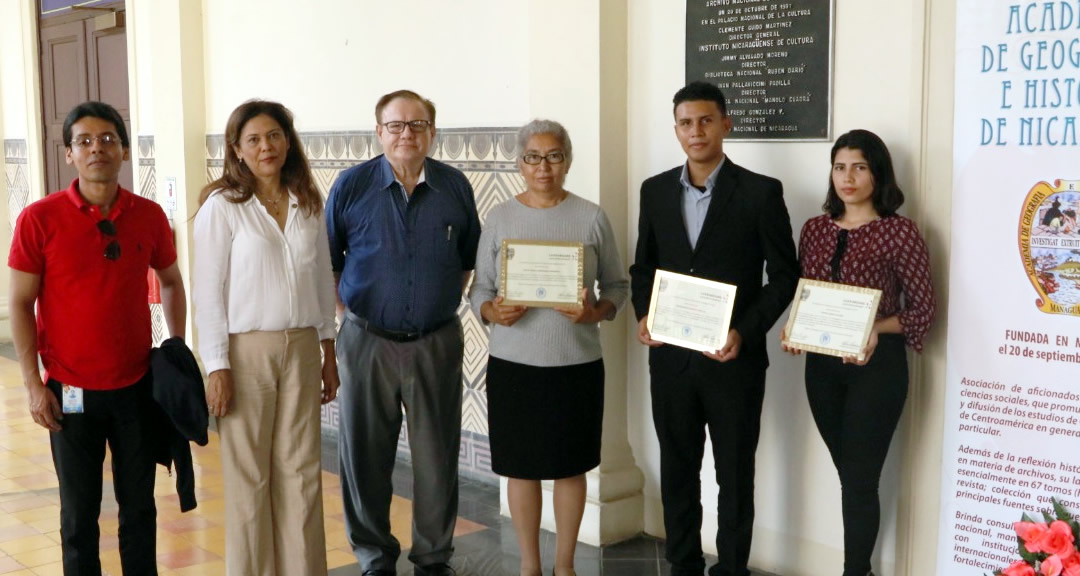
x: 82, y: 255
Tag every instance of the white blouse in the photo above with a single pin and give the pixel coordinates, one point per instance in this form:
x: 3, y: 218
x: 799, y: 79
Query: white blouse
x: 250, y: 276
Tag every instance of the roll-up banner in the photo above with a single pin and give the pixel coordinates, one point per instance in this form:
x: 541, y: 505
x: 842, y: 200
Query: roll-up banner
x: 1012, y: 412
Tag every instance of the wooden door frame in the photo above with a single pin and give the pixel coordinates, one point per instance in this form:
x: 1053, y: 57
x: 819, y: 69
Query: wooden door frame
x: 35, y: 120
x: 41, y: 135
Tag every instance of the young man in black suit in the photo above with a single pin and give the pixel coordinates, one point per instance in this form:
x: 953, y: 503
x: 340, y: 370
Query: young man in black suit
x: 712, y: 219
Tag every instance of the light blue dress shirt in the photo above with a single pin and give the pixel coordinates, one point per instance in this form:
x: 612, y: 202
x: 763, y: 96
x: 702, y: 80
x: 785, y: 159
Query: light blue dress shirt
x: 695, y: 203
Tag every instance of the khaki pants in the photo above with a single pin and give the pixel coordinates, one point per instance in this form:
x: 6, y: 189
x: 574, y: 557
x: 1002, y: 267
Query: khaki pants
x: 270, y: 452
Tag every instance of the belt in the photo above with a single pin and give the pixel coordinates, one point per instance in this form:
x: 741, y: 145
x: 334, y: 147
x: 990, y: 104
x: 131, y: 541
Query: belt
x: 392, y: 335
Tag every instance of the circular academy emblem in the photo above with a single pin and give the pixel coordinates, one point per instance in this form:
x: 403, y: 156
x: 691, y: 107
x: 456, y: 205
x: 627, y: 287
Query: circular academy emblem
x: 1050, y: 245
x: 825, y: 338
x: 541, y: 293
x: 686, y: 331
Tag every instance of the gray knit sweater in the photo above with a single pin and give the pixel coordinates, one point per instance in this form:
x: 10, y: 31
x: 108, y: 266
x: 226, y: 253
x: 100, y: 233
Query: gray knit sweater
x: 543, y: 337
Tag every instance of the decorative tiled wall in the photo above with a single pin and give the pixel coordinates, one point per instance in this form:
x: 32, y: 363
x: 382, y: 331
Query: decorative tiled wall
x: 18, y: 182
x: 148, y: 189
x: 488, y: 158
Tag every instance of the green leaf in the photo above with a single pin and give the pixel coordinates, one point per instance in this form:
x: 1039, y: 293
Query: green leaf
x: 1061, y: 511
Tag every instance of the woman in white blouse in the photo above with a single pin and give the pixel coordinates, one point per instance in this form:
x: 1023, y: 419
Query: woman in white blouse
x: 264, y: 299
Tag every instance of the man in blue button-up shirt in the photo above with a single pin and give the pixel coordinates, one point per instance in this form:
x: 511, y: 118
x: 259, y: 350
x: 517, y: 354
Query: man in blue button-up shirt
x: 403, y: 234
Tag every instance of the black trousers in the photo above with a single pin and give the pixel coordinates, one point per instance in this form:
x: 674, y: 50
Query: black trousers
x: 856, y: 409
x: 725, y: 398
x: 116, y: 417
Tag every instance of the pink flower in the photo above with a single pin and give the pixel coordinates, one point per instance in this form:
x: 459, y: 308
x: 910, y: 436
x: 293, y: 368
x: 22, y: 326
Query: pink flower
x: 1071, y: 566
x: 1058, y: 540
x: 1051, y: 566
x: 1031, y: 533
x: 1018, y: 568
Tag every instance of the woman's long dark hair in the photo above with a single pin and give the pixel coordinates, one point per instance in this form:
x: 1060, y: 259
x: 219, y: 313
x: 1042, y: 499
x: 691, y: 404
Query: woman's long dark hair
x: 237, y: 179
x: 887, y: 196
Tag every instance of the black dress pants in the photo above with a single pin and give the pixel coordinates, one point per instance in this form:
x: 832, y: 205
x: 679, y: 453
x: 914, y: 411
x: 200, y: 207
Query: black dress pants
x: 856, y: 409
x: 726, y: 398
x: 119, y: 418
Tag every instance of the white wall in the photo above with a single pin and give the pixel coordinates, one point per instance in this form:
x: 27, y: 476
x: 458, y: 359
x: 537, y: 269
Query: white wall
x: 12, y: 83
x: 141, y: 65
x: 329, y: 61
x: 877, y: 87
x: 20, y: 92
x: 483, y: 62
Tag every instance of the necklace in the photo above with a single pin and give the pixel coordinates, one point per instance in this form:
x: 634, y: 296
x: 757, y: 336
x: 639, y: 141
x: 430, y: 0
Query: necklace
x: 271, y: 205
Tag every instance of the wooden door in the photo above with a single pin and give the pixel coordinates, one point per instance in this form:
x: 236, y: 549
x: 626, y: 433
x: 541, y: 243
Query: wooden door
x: 80, y: 63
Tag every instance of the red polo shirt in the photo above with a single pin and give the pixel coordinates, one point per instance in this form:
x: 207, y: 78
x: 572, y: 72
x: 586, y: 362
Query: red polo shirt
x: 93, y: 320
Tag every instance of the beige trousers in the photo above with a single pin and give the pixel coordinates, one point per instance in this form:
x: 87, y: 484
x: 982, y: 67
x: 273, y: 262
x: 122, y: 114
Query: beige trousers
x: 270, y: 453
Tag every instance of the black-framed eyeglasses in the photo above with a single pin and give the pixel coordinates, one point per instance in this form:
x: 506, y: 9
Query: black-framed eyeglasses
x: 838, y: 255
x: 108, y: 228
x: 552, y: 158
x: 398, y: 126
x: 106, y: 140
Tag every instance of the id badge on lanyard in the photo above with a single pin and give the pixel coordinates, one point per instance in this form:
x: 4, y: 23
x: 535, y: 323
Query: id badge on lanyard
x: 72, y: 399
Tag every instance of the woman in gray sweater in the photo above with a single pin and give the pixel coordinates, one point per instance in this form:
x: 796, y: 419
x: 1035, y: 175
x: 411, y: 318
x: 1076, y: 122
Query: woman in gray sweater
x: 545, y: 378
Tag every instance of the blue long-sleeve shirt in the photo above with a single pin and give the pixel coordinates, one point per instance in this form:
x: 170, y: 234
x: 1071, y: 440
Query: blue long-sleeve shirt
x: 401, y: 258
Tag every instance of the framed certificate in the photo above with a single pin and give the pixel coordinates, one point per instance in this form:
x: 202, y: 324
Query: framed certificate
x: 542, y: 274
x: 833, y: 319
x: 690, y: 312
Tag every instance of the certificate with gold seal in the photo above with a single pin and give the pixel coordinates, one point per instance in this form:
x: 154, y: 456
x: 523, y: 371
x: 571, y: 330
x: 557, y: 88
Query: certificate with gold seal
x: 830, y: 318
x: 691, y: 312
x: 541, y: 274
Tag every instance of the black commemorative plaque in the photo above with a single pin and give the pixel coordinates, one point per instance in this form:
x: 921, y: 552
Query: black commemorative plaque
x: 773, y: 61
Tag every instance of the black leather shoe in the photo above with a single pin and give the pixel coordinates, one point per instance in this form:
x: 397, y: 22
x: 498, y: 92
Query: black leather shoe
x: 439, y: 569
x: 379, y: 573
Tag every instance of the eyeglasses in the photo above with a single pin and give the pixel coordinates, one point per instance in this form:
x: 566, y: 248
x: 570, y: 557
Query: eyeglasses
x: 112, y: 251
x: 106, y: 140
x: 838, y: 255
x: 552, y: 158
x: 398, y: 126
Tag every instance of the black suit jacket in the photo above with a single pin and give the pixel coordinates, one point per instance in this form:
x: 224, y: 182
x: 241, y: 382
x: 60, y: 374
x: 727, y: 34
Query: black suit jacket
x: 179, y: 413
x: 746, y: 229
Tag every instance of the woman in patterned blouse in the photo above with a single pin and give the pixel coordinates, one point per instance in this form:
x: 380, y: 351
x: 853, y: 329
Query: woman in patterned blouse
x: 860, y: 240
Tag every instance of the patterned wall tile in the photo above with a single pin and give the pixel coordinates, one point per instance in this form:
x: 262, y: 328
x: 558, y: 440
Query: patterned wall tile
x: 488, y: 158
x: 147, y: 172
x: 148, y: 189
x: 17, y: 178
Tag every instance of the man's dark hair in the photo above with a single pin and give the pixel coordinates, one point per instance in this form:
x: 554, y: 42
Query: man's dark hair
x: 887, y: 196
x: 701, y: 91
x: 96, y: 110
x: 385, y: 101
